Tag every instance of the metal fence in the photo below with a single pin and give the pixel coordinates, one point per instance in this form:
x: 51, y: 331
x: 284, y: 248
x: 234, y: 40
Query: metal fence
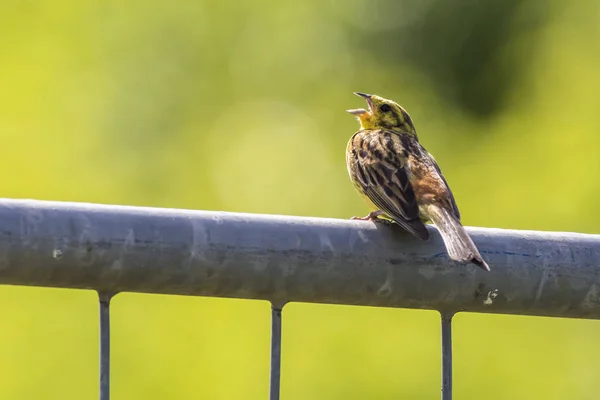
x: 281, y: 259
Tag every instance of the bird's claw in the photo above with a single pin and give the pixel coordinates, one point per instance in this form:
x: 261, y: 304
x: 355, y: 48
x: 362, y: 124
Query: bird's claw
x: 366, y: 218
x: 373, y: 217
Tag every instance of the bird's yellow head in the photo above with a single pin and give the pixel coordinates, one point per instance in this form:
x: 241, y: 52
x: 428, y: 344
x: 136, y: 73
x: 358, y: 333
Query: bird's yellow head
x: 383, y: 114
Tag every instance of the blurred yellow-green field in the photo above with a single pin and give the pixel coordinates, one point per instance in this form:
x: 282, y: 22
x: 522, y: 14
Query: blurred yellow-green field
x: 239, y: 106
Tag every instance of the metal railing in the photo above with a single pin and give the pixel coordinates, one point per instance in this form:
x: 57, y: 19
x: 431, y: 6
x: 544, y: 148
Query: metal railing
x: 281, y: 259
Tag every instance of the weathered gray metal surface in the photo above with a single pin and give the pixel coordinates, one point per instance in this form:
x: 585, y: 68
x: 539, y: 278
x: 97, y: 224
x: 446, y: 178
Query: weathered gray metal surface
x: 281, y: 258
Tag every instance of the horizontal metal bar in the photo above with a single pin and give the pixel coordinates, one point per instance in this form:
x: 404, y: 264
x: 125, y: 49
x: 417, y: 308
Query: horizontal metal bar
x: 284, y: 258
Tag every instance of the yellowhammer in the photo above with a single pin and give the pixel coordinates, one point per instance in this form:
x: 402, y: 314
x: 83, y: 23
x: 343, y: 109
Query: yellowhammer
x: 401, y: 180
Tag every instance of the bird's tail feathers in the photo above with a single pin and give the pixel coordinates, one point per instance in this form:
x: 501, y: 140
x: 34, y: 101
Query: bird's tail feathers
x: 458, y: 243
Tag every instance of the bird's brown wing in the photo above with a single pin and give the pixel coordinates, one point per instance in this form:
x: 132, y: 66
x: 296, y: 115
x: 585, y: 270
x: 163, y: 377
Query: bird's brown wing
x: 452, y: 201
x: 383, y: 177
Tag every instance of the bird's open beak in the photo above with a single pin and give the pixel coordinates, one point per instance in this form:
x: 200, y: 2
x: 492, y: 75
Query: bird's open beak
x: 361, y: 111
x: 363, y: 95
x: 357, y: 111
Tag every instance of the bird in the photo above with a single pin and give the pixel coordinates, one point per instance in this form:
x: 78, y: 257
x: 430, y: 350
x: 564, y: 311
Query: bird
x: 401, y: 181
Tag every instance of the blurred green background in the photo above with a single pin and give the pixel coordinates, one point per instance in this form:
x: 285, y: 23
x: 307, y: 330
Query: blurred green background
x: 239, y: 106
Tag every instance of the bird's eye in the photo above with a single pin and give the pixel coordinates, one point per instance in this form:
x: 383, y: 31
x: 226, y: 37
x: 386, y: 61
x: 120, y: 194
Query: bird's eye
x: 385, y: 108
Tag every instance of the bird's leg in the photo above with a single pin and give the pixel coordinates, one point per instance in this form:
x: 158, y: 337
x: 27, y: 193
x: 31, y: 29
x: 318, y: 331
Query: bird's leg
x: 372, y: 216
x: 369, y: 217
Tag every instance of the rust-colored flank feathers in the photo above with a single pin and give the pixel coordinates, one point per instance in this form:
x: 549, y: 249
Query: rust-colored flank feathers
x: 401, y: 180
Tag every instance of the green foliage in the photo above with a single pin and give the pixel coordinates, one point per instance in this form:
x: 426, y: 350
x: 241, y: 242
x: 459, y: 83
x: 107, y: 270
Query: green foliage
x: 239, y: 106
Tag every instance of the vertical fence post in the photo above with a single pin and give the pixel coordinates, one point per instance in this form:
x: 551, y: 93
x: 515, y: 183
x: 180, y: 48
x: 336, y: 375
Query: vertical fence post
x: 447, y: 355
x: 105, y: 344
x: 275, y: 377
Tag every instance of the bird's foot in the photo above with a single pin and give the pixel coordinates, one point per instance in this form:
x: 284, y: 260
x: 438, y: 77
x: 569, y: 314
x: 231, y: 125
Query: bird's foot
x: 373, y: 216
x: 369, y: 217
